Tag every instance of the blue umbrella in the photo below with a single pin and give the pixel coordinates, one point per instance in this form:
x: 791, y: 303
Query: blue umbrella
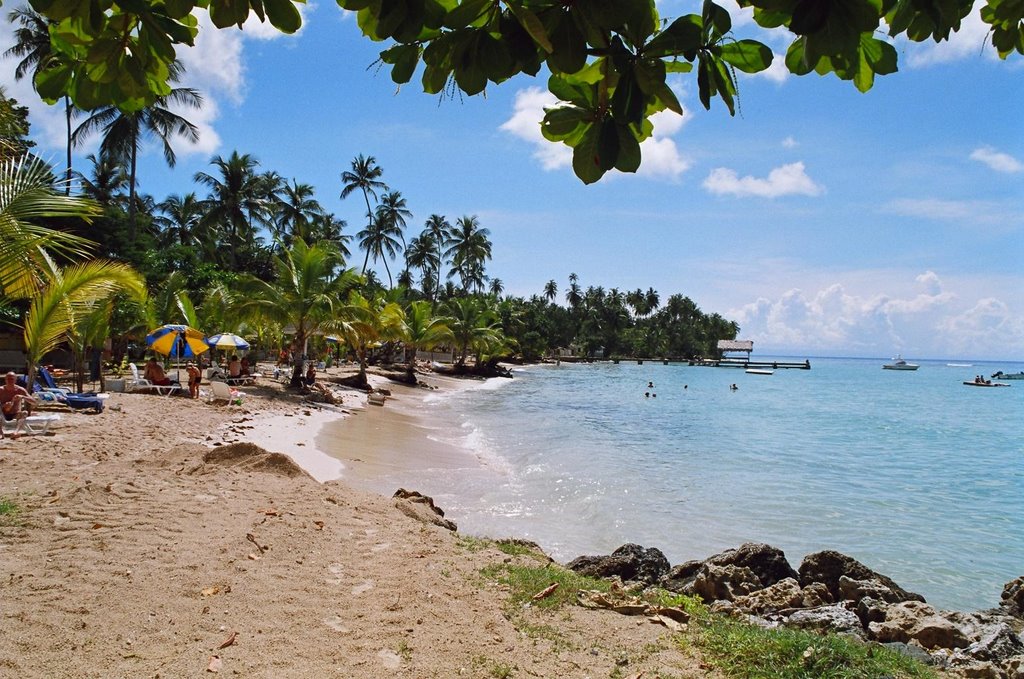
x: 226, y: 340
x: 176, y: 340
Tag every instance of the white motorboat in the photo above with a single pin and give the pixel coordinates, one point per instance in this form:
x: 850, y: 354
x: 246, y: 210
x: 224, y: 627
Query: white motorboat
x: 758, y: 371
x: 899, y: 364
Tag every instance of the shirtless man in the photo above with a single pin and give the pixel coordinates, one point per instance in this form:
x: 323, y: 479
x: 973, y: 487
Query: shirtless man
x: 155, y: 373
x: 15, y: 402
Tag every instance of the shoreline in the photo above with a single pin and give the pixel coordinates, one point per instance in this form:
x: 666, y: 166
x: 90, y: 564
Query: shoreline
x: 155, y: 539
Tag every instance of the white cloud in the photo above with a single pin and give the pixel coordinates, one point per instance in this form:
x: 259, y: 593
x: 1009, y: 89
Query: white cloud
x: 969, y: 42
x: 790, y: 143
x: 214, y: 66
x: 528, y: 110
x: 782, y: 181
x: 996, y: 160
x: 926, y: 319
x: 995, y: 217
x: 661, y: 156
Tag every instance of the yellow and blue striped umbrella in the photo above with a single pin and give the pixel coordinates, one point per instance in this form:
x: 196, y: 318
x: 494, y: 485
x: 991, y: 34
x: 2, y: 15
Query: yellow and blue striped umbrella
x: 179, y: 341
x: 226, y: 340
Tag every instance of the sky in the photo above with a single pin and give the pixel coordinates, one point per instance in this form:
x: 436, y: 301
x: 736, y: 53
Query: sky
x: 824, y: 221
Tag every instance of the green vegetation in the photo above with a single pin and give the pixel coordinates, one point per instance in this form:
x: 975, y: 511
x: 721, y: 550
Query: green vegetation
x: 8, y: 508
x: 610, y: 60
x: 736, y: 648
x: 524, y: 582
x: 742, y: 650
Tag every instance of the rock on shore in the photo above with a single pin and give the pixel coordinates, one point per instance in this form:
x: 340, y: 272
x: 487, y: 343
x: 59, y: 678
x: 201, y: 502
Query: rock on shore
x: 834, y: 593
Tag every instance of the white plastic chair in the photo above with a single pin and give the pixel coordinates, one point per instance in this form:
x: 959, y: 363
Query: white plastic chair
x: 222, y: 391
x: 137, y: 382
x: 30, y: 425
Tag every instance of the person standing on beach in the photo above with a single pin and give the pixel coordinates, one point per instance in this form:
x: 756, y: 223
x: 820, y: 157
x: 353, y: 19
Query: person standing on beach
x: 195, y: 377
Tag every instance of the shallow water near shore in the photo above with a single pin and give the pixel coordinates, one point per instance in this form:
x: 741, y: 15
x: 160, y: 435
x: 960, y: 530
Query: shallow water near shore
x: 914, y: 474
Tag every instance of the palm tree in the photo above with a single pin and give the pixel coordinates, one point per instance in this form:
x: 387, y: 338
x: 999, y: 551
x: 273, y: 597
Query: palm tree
x: 573, y: 296
x: 383, y: 237
x: 71, y: 294
x: 365, y: 176
x: 125, y: 131
x: 551, y: 290
x: 305, y: 293
x: 235, y: 201
x: 327, y: 227
x: 651, y: 299
x: 437, y: 230
x: 469, y: 248
x: 421, y: 254
x: 35, y: 50
x: 497, y: 287
x: 27, y: 195
x: 418, y: 329
x: 473, y: 325
x: 180, y: 218
x: 296, y: 211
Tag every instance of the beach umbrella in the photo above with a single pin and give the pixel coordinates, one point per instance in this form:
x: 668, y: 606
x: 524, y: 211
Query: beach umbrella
x: 179, y: 341
x: 226, y: 340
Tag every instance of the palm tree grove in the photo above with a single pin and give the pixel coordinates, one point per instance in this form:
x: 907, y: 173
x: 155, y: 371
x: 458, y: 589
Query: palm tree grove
x: 254, y: 253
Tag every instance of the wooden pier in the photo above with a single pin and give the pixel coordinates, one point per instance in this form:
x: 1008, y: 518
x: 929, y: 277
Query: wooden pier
x: 719, y: 362
x: 747, y: 363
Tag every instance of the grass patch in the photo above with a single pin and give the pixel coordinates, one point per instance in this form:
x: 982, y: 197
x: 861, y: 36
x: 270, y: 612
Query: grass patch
x: 8, y: 507
x: 493, y: 668
x: 9, y: 511
x: 526, y: 581
x: 742, y: 650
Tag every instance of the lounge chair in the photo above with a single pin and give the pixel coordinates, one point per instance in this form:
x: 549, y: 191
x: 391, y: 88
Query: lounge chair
x: 86, y: 400
x: 222, y: 391
x: 136, y: 383
x: 241, y: 379
x: 30, y: 425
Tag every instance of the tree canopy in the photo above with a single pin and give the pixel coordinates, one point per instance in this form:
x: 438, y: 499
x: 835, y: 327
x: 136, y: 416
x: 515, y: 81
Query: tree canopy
x: 609, y: 60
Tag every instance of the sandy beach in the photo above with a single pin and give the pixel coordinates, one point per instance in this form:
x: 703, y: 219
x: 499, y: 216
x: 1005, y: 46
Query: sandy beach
x: 168, y: 537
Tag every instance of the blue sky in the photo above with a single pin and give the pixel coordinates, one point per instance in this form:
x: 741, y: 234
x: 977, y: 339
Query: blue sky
x: 824, y: 221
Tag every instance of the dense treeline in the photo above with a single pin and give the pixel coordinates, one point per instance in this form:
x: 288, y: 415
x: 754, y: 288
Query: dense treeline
x: 251, y: 252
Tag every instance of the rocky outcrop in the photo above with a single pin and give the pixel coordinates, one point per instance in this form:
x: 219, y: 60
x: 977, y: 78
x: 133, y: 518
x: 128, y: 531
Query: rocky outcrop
x: 629, y: 563
x: 829, y: 566
x: 422, y: 508
x: 835, y: 593
x: 768, y: 564
x: 1013, y: 597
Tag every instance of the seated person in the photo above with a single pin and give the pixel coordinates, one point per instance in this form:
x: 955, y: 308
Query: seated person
x: 15, y: 401
x: 155, y: 373
x: 310, y: 374
x: 244, y: 371
x: 234, y: 367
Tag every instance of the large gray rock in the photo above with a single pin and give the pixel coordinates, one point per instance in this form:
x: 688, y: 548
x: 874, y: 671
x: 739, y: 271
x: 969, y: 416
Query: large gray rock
x: 834, y: 618
x: 722, y: 583
x: 855, y: 590
x: 917, y: 621
x: 766, y: 562
x: 630, y: 563
x: 829, y: 566
x: 783, y: 595
x: 1013, y: 597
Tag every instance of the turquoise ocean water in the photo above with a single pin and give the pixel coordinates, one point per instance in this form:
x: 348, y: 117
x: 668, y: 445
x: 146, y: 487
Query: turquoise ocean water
x: 914, y: 474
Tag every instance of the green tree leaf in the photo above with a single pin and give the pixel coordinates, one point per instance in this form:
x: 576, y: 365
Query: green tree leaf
x: 749, y: 56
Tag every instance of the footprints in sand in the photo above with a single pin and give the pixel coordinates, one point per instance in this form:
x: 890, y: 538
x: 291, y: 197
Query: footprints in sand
x: 389, y: 658
x: 363, y: 588
x: 337, y: 624
x: 336, y: 577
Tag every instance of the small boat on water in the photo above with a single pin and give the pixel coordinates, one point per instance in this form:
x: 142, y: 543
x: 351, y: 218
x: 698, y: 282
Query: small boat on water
x: 759, y: 371
x: 899, y: 364
x: 989, y: 383
x: 1008, y: 376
